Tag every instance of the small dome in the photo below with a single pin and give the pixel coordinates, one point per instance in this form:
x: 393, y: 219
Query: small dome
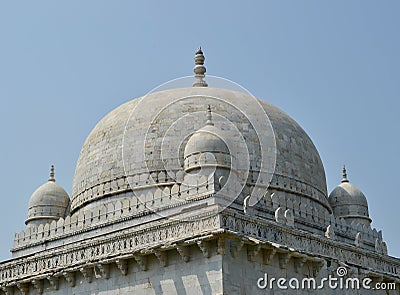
x: 205, y: 140
x: 348, y: 201
x: 49, y: 202
x: 206, y: 146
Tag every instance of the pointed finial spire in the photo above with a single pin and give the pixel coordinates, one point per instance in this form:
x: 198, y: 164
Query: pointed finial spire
x: 344, y: 174
x: 199, y: 69
x: 51, y: 178
x: 209, y: 117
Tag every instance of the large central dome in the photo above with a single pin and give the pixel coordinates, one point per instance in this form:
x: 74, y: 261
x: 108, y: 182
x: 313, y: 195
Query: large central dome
x: 161, y: 150
x: 126, y: 150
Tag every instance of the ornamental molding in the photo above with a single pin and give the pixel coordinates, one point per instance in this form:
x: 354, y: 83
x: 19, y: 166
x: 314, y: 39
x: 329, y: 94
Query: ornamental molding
x: 303, y: 241
x: 229, y: 232
x: 105, y: 247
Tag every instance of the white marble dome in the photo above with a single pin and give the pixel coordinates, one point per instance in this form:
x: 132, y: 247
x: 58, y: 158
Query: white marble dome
x: 206, y: 148
x: 124, y: 152
x: 49, y: 202
x: 349, y: 202
x: 205, y: 139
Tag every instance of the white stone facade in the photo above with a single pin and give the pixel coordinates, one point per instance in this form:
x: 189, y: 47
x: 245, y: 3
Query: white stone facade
x: 245, y: 201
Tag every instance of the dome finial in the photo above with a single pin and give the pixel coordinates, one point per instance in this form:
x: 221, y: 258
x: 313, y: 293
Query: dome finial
x: 209, y: 116
x: 51, y: 178
x: 199, y: 69
x: 344, y: 174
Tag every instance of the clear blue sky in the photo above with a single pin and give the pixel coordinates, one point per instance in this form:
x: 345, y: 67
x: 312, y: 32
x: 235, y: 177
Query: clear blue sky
x: 332, y: 65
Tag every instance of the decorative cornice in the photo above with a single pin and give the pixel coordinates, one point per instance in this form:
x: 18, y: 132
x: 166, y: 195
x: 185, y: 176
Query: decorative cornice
x: 268, y: 250
x: 229, y: 231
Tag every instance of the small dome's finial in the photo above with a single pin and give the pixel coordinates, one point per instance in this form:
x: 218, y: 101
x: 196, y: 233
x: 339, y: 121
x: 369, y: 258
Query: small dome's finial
x: 51, y: 178
x: 209, y: 117
x: 344, y: 174
x: 199, y: 69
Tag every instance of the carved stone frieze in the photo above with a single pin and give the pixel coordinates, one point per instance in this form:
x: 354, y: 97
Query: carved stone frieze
x: 258, y: 236
x: 266, y: 230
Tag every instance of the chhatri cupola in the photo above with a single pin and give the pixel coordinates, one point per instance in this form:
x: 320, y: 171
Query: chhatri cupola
x: 207, y: 148
x: 49, y: 202
x: 349, y: 202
